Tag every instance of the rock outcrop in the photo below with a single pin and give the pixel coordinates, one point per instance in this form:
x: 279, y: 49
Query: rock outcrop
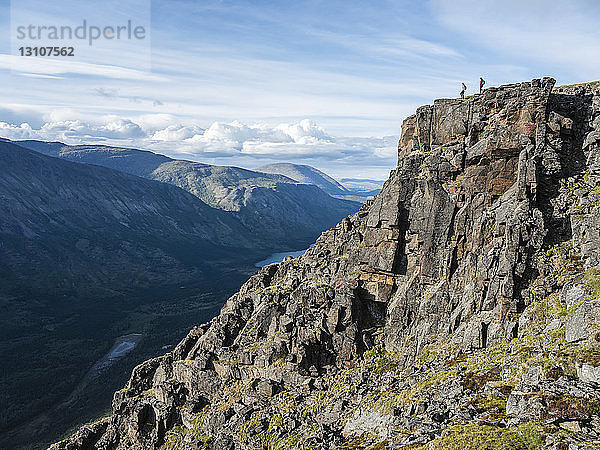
x: 459, y: 308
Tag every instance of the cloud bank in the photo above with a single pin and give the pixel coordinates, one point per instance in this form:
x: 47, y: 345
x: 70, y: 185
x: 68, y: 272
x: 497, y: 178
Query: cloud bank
x: 233, y: 143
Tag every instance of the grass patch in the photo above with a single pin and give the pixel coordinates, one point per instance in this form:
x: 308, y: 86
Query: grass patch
x: 528, y: 436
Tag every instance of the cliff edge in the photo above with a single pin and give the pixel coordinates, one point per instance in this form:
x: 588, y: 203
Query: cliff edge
x: 458, y: 309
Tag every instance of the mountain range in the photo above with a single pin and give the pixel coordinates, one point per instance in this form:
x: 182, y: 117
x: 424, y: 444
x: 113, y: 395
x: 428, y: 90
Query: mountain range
x: 363, y: 187
x: 272, y: 207
x: 68, y: 221
x: 353, y: 190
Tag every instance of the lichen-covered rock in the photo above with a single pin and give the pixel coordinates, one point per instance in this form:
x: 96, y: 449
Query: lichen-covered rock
x: 584, y: 322
x: 458, y: 305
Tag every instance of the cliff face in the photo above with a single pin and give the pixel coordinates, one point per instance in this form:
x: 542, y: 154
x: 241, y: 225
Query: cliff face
x: 459, y: 307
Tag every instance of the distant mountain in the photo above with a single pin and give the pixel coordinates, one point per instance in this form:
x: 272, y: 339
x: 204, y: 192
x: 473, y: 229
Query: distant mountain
x: 132, y: 161
x: 87, y: 227
x: 305, y: 174
x: 362, y: 186
x: 274, y: 208
x: 355, y: 189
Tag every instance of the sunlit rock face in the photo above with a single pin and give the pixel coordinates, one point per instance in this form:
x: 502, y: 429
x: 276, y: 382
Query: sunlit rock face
x: 436, y: 312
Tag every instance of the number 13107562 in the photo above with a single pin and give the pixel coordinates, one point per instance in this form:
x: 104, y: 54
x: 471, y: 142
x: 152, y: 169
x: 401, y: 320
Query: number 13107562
x: 47, y: 51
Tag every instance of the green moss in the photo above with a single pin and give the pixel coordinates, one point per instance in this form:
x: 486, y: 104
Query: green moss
x: 475, y: 381
x: 435, y: 379
x: 290, y: 442
x: 542, y: 311
x: 316, y: 404
x: 573, y: 354
x: 268, y: 439
x: 428, y: 355
x: 245, y: 428
x: 592, y: 281
x: 252, y: 348
x: 364, y: 441
x: 532, y: 434
x: 486, y: 437
x: 388, y: 362
x: 490, y: 403
x: 276, y: 421
x: 384, y: 401
x: 381, y: 361
x: 284, y: 402
x: 590, y: 354
x: 180, y: 434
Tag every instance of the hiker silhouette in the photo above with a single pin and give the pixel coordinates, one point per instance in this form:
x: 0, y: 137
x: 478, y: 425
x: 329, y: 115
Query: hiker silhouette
x: 462, y: 93
x: 481, y: 84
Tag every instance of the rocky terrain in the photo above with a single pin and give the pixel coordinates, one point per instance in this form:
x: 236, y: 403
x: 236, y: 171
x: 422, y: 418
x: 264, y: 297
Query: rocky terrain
x: 272, y: 207
x: 459, y: 309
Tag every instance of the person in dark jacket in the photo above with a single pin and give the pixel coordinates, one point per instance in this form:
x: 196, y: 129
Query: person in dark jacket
x: 481, y: 84
x: 462, y: 93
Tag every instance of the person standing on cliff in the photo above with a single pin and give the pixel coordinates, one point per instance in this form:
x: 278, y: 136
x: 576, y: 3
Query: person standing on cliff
x: 462, y: 93
x: 481, y: 84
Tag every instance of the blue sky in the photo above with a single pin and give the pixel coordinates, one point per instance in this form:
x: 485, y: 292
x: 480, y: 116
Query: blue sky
x: 326, y: 83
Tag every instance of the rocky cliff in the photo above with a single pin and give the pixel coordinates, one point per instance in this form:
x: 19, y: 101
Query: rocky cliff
x: 458, y: 309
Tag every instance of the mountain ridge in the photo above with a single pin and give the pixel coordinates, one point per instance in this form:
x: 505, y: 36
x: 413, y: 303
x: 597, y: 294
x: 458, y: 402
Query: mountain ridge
x: 458, y: 309
x: 266, y: 204
x: 307, y: 174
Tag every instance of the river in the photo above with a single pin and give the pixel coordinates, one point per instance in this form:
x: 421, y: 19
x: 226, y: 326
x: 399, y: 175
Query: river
x: 278, y: 257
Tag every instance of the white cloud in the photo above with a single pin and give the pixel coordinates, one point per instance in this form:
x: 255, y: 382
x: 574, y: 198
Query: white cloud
x: 239, y: 137
x: 396, y: 46
x: 304, y: 132
x: 120, y: 129
x: 233, y: 143
x: 233, y: 133
x: 23, y: 131
x: 176, y: 133
x: 39, y: 75
x: 75, y: 131
x: 49, y: 67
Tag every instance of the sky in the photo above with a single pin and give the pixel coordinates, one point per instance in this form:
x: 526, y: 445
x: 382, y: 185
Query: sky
x: 325, y: 83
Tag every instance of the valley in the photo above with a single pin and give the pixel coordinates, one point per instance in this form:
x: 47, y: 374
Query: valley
x: 101, y: 269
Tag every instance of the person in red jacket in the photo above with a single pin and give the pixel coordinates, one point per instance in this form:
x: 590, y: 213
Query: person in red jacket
x: 481, y: 84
